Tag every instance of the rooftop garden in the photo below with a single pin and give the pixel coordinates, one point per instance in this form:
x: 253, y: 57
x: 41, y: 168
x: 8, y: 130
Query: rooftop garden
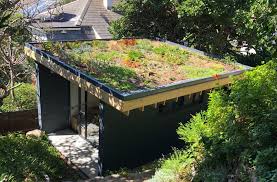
x: 133, y: 64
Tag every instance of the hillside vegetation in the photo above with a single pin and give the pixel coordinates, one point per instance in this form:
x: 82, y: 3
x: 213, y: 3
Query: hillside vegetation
x: 235, y: 139
x: 31, y: 159
x: 24, y: 99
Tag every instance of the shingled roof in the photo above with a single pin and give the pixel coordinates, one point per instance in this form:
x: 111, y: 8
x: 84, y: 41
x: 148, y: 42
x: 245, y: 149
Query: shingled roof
x: 99, y: 18
x: 67, y: 15
x: 77, y: 14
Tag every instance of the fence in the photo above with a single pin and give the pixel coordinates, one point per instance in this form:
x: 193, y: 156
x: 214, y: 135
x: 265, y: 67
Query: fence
x: 18, y: 121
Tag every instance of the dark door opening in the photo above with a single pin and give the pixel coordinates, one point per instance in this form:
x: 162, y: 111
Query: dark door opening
x: 85, y: 120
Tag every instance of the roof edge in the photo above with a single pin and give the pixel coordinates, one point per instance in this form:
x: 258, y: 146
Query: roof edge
x: 79, y: 22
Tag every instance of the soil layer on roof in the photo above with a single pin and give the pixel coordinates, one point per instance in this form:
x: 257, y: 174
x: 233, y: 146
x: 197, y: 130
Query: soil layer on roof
x: 134, y: 64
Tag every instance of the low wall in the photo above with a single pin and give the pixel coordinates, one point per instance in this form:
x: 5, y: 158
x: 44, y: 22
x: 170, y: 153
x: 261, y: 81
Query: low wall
x: 18, y: 121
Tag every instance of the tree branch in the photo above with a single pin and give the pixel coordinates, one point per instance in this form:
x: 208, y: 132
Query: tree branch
x: 5, y: 57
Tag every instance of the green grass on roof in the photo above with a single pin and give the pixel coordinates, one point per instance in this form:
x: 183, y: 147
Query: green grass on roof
x: 132, y: 64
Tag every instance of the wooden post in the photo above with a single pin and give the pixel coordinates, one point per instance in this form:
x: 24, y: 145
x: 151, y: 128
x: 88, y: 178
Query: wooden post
x: 79, y: 109
x: 86, y: 114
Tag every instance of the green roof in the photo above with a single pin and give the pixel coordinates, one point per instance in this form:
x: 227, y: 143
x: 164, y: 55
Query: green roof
x: 133, y: 64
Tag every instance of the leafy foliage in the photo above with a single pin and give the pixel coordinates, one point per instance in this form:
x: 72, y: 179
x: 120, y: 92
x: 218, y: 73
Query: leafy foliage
x: 30, y: 159
x: 209, y: 24
x: 6, y: 9
x: 25, y: 99
x: 147, y: 18
x: 14, y: 32
x: 258, y: 25
x: 12, y: 23
x: 236, y: 137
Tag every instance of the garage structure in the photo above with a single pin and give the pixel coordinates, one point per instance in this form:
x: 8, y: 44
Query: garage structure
x: 133, y: 128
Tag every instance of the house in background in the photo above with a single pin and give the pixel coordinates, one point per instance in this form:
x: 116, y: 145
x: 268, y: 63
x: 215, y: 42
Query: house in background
x: 78, y: 20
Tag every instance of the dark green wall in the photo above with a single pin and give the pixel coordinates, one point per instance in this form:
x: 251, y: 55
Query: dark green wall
x: 129, y: 141
x: 53, y: 97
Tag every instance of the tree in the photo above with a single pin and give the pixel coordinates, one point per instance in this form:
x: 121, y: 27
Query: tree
x: 147, y: 18
x: 13, y: 36
x: 15, y: 18
x: 212, y: 25
x: 7, y: 8
x: 209, y: 25
x: 258, y: 26
x: 12, y: 58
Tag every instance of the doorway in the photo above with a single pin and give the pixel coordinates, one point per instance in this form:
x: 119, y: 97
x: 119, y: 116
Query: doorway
x: 84, y: 114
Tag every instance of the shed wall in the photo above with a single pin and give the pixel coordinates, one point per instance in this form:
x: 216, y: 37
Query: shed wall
x: 53, y: 103
x: 143, y: 136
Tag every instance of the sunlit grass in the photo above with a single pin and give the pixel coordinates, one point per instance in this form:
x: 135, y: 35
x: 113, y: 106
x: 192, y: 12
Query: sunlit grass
x: 31, y: 159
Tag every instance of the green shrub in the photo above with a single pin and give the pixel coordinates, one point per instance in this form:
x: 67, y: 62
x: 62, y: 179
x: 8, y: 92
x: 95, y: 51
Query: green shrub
x: 236, y: 136
x: 25, y: 99
x: 30, y: 159
x: 134, y: 55
x: 172, y: 54
x: 200, y: 72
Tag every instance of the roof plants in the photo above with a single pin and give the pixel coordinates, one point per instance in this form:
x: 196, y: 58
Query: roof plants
x: 132, y: 64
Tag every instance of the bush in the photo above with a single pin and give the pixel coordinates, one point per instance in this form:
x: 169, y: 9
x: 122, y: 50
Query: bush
x: 30, y: 159
x: 236, y: 137
x: 25, y: 99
